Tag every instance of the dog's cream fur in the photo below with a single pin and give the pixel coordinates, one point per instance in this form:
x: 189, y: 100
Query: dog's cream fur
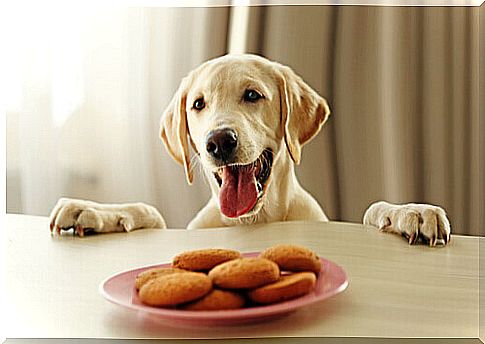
x: 290, y: 114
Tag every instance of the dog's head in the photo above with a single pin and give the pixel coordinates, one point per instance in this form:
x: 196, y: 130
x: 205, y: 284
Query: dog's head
x: 239, y: 113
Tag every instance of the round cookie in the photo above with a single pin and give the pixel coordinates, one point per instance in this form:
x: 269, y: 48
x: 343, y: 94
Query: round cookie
x: 244, y: 273
x: 287, y: 287
x: 149, y: 274
x: 204, y: 259
x: 293, y: 258
x: 217, y: 300
x: 174, y: 289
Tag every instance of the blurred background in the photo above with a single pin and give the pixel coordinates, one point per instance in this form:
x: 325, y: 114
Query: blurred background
x: 87, y: 88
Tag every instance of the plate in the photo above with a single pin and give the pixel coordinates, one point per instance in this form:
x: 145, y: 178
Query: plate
x: 120, y: 289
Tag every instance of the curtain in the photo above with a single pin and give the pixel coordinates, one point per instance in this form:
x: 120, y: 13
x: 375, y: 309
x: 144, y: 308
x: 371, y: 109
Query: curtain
x: 88, y: 88
x: 402, y: 83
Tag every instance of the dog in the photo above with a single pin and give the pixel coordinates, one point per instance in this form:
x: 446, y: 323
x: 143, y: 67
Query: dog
x: 247, y: 119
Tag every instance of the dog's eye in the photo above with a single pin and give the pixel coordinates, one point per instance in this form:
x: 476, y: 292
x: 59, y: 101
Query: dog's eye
x: 199, y: 104
x: 252, y: 96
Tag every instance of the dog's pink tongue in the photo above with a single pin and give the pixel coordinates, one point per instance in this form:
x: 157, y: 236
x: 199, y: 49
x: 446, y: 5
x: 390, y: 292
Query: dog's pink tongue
x: 238, y: 193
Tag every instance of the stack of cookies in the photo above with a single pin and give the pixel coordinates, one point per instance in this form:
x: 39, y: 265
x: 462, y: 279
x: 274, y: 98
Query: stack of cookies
x: 217, y: 279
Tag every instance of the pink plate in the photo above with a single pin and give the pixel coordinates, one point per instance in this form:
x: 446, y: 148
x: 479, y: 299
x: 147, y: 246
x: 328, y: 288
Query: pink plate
x: 120, y: 289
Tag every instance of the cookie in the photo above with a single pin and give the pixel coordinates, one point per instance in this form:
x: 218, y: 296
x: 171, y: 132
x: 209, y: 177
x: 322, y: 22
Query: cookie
x: 217, y: 300
x: 287, y: 287
x: 244, y: 273
x: 147, y: 275
x: 293, y: 258
x: 203, y: 260
x: 175, y: 288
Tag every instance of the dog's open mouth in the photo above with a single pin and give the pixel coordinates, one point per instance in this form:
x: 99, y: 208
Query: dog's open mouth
x: 241, y: 186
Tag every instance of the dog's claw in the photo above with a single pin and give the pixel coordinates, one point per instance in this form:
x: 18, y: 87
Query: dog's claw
x: 411, y: 239
x: 79, y: 230
x: 446, y: 238
x: 58, y: 230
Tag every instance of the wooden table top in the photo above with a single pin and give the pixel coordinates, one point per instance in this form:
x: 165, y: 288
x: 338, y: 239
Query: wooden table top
x: 395, y: 290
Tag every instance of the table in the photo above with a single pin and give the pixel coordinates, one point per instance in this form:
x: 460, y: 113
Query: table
x: 395, y: 290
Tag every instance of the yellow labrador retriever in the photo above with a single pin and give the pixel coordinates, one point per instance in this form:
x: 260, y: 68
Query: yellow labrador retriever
x: 247, y: 119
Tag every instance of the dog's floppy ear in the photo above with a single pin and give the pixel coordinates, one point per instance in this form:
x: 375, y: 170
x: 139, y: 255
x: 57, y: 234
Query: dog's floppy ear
x: 174, y: 130
x: 303, y: 111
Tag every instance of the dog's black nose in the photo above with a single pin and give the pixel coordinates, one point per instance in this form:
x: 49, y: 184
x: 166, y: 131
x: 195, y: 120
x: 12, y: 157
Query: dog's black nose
x: 222, y: 144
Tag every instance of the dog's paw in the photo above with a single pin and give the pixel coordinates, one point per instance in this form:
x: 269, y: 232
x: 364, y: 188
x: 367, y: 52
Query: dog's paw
x: 416, y: 222
x: 76, y: 214
x: 86, y: 216
x: 65, y: 214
